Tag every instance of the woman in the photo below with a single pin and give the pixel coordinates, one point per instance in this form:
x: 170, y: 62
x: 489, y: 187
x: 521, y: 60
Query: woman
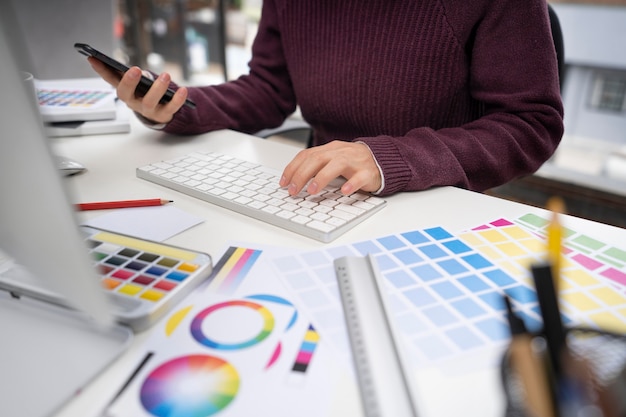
x: 402, y: 95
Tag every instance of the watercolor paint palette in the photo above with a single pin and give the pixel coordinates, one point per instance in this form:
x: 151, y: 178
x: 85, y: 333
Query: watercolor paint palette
x: 143, y: 278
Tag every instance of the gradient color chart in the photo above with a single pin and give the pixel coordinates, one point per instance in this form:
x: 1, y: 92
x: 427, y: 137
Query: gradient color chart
x: 445, y: 290
x: 232, y: 269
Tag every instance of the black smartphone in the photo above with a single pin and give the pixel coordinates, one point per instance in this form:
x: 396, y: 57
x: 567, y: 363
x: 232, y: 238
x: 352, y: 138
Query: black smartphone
x: 144, y: 84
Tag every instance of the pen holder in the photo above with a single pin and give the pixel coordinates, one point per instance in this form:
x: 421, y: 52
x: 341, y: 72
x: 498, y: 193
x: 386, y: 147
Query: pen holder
x: 604, y: 353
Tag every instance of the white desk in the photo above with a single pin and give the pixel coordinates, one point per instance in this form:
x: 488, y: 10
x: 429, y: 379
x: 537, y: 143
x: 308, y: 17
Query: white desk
x: 111, y: 161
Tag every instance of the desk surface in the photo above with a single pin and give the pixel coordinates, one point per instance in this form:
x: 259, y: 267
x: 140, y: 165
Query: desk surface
x: 111, y: 161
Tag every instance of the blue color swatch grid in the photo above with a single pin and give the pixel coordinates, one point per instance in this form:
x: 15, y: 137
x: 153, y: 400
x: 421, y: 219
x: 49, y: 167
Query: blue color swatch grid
x: 445, y: 290
x: 445, y: 296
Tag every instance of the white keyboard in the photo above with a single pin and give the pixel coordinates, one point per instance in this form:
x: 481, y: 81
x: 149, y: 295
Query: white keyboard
x: 252, y: 189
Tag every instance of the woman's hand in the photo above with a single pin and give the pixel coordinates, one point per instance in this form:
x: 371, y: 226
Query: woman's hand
x: 316, y: 167
x: 148, y: 106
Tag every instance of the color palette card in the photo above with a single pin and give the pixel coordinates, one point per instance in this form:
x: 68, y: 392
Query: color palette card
x: 445, y: 296
x: 592, y: 288
x: 601, y: 258
x: 77, y: 99
x: 244, y: 353
x: 446, y: 290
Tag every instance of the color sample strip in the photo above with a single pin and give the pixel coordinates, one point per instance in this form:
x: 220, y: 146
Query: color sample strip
x: 232, y: 269
x: 586, y: 295
x: 445, y: 290
x: 305, y: 354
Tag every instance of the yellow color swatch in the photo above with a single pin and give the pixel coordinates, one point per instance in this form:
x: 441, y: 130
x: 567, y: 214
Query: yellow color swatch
x: 175, y: 320
x: 493, y: 235
x: 581, y: 301
x: 608, y: 321
x: 580, y: 277
x: 609, y: 296
x: 511, y: 249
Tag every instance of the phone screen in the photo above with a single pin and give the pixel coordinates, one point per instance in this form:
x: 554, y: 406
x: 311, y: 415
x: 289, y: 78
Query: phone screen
x: 144, y: 84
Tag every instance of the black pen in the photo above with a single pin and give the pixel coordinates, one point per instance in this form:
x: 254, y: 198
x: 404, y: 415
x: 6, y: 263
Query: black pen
x: 130, y: 378
x: 553, y: 329
x: 516, y: 324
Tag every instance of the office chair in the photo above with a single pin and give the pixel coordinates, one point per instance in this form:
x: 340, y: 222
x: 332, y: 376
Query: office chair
x: 557, y: 37
x: 291, y: 126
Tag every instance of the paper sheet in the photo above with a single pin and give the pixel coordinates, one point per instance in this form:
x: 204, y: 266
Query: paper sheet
x: 152, y: 223
x: 235, y: 349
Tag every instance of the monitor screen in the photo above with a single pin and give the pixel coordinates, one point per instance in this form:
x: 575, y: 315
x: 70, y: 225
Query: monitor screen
x: 38, y: 226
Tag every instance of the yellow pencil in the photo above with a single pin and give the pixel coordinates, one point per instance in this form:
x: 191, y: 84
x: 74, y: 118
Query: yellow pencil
x: 533, y: 377
x: 555, y: 237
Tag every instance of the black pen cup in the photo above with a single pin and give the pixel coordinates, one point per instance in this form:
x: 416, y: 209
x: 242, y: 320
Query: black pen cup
x: 604, y: 357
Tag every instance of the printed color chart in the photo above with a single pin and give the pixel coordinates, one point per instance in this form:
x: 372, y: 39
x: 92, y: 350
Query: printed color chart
x: 592, y: 254
x: 446, y: 290
x: 71, y: 98
x: 253, y: 354
x: 589, y: 288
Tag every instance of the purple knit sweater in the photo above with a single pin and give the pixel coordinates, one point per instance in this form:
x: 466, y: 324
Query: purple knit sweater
x: 444, y: 92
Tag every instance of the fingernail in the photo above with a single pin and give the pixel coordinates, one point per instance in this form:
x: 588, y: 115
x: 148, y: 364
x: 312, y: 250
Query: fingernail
x: 313, y: 188
x: 347, y: 188
x: 134, y: 73
x: 292, y: 189
x: 165, y: 77
x: 283, y: 181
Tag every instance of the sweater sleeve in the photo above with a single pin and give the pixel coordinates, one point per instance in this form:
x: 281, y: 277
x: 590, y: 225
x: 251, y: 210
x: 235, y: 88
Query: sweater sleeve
x: 513, y: 74
x: 261, y: 99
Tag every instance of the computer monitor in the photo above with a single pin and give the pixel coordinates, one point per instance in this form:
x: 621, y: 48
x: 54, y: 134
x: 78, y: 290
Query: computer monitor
x: 38, y: 227
x: 49, y: 353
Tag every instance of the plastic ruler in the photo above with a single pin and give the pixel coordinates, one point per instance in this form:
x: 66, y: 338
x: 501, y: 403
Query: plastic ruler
x: 384, y: 384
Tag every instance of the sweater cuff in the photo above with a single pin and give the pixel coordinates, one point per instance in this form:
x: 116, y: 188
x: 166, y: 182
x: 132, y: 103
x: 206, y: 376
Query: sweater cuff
x: 380, y: 171
x: 149, y: 123
x: 394, y: 171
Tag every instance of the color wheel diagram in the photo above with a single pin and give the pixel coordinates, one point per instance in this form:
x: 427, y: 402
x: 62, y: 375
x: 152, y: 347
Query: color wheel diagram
x: 190, y: 386
x: 199, y: 365
x: 230, y: 274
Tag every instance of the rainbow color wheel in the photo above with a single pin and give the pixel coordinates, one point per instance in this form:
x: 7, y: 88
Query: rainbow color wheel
x: 190, y: 386
x: 198, y: 334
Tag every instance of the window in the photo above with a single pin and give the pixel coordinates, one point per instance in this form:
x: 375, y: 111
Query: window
x: 609, y: 92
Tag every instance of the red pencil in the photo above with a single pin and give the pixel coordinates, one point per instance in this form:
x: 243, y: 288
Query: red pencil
x: 121, y: 204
